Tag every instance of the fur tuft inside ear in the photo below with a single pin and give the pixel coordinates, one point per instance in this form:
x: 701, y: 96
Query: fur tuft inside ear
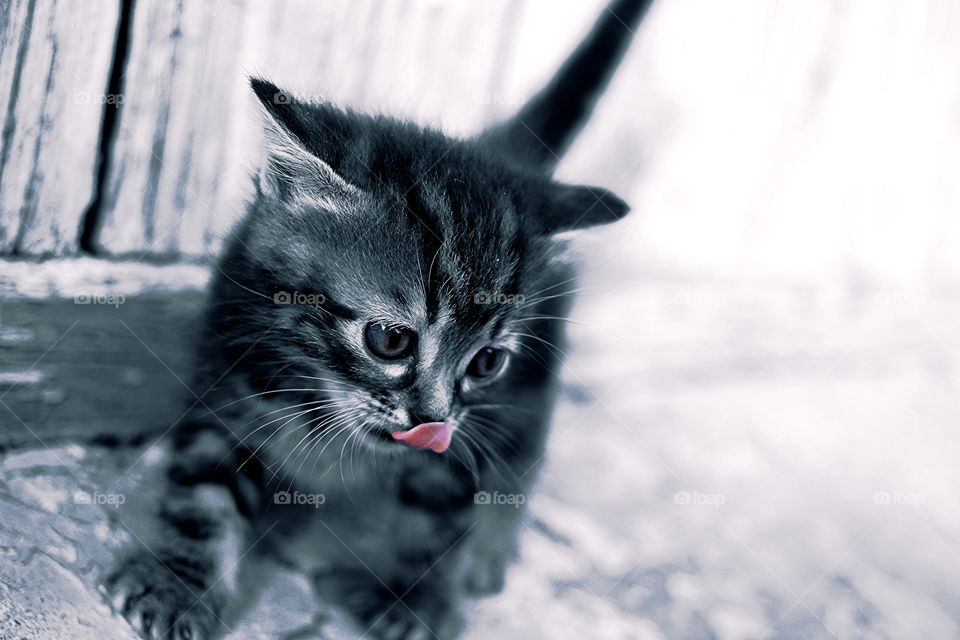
x: 292, y: 172
x: 579, y: 207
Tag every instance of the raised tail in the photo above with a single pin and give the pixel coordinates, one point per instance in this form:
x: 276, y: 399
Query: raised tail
x: 542, y: 131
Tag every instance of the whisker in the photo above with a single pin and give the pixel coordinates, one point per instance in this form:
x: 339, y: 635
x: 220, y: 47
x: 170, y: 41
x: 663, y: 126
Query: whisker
x: 487, y: 452
x: 561, y: 318
x: 323, y: 429
x: 277, y: 430
x: 261, y: 393
x: 528, y: 350
x: 334, y: 418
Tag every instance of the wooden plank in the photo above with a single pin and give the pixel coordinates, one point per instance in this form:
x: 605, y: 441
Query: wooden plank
x: 175, y: 127
x: 105, y: 356
x: 85, y: 371
x: 55, y: 61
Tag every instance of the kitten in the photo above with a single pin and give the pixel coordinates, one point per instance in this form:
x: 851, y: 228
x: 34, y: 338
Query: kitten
x: 380, y: 358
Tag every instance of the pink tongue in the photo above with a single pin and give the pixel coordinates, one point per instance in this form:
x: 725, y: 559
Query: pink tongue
x: 429, y: 435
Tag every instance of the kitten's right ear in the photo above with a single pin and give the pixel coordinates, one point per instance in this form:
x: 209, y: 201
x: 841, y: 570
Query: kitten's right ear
x: 293, y: 171
x: 574, y: 207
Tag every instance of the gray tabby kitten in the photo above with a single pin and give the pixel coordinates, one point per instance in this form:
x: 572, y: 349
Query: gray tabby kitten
x: 381, y: 346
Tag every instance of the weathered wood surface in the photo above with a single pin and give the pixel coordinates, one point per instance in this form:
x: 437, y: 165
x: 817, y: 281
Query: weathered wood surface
x: 101, y: 358
x: 55, y: 60
x: 170, y: 166
x: 84, y: 371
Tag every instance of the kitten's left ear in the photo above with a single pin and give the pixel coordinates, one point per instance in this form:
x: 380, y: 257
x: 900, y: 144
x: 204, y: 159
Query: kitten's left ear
x: 571, y: 207
x: 294, y: 171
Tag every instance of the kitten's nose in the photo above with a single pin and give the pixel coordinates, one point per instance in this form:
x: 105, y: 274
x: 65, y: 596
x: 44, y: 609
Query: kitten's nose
x: 421, y: 417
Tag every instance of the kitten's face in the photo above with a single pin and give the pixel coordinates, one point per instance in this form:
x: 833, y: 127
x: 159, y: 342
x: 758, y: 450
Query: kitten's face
x: 406, y: 265
x: 404, y: 317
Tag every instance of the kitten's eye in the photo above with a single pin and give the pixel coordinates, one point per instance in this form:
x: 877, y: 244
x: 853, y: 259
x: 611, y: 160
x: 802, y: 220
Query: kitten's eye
x: 389, y: 342
x: 487, y: 362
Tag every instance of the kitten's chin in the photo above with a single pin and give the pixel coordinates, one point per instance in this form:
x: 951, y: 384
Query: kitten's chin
x: 379, y: 440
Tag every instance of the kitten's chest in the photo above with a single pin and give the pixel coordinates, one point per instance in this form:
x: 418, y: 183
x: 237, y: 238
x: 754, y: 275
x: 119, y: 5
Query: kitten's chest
x: 374, y: 521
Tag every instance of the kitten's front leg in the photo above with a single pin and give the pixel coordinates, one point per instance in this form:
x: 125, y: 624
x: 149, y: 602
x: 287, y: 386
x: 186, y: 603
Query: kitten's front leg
x: 181, y: 571
x: 177, y: 584
x: 491, y: 547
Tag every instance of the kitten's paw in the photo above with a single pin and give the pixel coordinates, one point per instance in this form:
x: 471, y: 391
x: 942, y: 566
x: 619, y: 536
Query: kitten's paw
x: 485, y: 574
x: 158, y: 603
x: 426, y: 612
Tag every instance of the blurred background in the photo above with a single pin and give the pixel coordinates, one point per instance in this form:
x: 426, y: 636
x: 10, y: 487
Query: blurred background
x: 758, y: 434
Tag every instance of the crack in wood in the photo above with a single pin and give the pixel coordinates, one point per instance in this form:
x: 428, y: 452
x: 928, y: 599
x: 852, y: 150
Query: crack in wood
x: 91, y: 221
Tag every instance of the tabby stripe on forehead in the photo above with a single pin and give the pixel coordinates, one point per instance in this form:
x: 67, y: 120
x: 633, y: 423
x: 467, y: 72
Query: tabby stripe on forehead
x: 335, y: 308
x: 510, y: 243
x: 517, y: 245
x: 422, y: 204
x: 517, y: 248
